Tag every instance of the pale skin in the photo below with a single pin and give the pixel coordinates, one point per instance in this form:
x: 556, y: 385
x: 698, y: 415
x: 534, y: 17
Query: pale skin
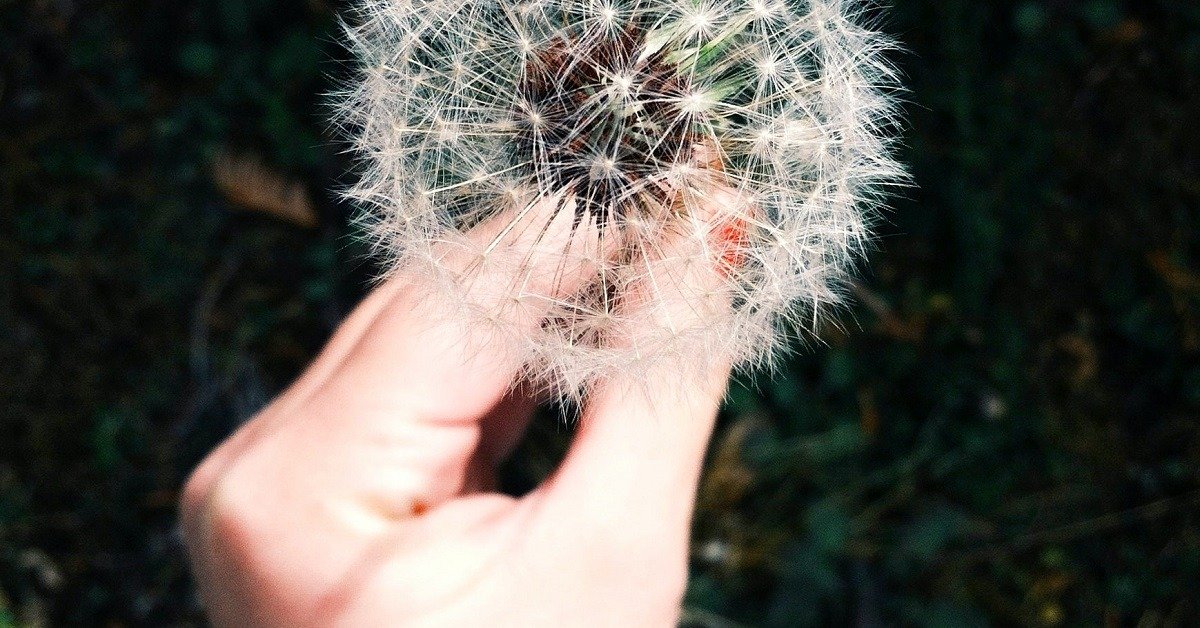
x: 363, y: 495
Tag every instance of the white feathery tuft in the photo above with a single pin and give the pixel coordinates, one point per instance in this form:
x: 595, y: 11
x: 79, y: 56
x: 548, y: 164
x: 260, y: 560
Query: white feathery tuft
x: 625, y: 116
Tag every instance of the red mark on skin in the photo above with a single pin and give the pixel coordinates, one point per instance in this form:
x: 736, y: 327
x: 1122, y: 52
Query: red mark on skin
x: 419, y: 507
x: 731, y: 239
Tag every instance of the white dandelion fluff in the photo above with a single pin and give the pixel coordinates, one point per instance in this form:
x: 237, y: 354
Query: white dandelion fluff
x: 763, y: 127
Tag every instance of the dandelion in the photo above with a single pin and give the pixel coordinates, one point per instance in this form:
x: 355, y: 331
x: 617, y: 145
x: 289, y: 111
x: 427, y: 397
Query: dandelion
x: 623, y: 117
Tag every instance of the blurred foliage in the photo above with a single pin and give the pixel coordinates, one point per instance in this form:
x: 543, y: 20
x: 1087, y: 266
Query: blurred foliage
x: 1003, y: 430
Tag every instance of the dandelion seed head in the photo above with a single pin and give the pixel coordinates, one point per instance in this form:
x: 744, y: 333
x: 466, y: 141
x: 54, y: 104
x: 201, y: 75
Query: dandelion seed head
x: 695, y: 102
x: 701, y: 20
x: 623, y: 115
x: 763, y: 9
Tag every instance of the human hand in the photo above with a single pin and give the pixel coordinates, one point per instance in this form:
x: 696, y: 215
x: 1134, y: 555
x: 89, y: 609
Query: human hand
x: 363, y: 494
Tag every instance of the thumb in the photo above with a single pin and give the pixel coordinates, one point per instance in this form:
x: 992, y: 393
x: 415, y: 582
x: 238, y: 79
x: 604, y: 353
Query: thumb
x: 637, y: 456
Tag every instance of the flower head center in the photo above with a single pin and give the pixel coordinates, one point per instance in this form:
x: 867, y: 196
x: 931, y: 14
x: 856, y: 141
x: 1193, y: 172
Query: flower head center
x: 611, y: 121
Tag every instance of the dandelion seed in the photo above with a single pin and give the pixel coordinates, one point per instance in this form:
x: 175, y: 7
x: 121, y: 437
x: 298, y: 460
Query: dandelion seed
x: 624, y: 115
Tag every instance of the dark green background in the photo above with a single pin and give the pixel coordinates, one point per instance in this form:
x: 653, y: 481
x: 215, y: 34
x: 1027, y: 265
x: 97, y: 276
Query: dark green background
x: 1004, y: 433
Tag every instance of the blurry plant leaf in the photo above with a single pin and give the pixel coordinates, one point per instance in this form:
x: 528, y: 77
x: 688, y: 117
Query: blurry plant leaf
x: 1123, y: 592
x: 1102, y: 14
x: 868, y: 410
x: 1129, y: 31
x: 322, y: 256
x: 727, y: 477
x: 248, y: 183
x: 1029, y: 18
x: 43, y: 228
x: 198, y: 58
x: 1191, y: 385
x: 839, y: 370
x: 763, y: 447
x: 839, y: 441
x: 911, y: 329
x: 931, y: 531
x: 1175, y: 275
x: 828, y: 527
x: 235, y: 16
x: 107, y: 432
x: 787, y: 392
x: 7, y: 618
x: 704, y: 592
x: 692, y: 617
x: 295, y: 58
x: 318, y: 291
x: 808, y: 575
x: 942, y: 614
x: 741, y: 399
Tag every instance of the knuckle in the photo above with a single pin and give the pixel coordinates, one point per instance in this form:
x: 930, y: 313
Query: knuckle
x: 196, y: 490
x: 222, y: 503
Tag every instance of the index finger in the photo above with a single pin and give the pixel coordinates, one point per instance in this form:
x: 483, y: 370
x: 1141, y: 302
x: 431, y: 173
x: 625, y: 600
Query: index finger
x: 637, y: 457
x: 443, y: 343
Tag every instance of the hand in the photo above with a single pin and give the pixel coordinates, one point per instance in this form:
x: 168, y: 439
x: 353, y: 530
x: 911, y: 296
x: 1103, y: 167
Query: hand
x: 362, y: 496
